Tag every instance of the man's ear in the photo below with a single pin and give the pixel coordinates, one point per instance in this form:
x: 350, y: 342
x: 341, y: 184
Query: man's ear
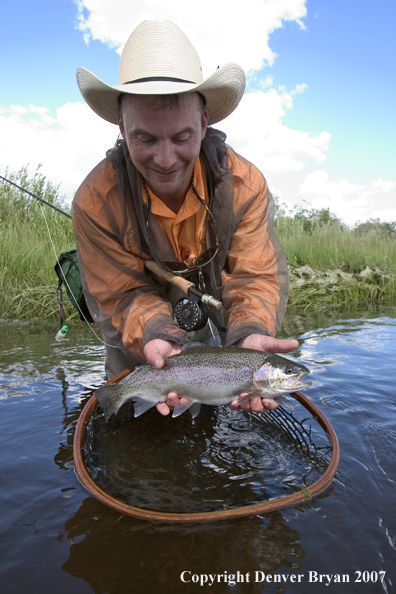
x: 204, y: 125
x: 121, y: 124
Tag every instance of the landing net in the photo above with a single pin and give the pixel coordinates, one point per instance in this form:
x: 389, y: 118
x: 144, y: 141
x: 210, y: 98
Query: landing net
x: 223, y: 464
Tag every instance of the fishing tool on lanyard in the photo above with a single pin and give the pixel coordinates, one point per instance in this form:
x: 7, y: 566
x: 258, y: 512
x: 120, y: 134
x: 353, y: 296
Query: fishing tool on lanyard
x: 191, y: 312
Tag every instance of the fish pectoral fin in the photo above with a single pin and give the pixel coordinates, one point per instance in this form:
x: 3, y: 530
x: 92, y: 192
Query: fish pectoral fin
x: 195, y: 409
x: 247, y: 396
x: 181, y: 407
x: 141, y: 406
x: 280, y: 399
x: 283, y: 401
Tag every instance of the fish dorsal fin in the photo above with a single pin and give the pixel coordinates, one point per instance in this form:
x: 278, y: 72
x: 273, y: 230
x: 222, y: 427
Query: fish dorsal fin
x: 195, y: 409
x: 181, y: 407
x: 141, y: 406
x: 192, y: 345
x: 127, y: 378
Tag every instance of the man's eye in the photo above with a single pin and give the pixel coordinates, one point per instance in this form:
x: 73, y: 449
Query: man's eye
x: 181, y: 139
x: 146, y: 141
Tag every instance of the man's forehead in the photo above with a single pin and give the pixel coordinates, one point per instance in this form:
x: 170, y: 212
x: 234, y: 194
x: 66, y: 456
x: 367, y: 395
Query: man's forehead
x: 175, y: 101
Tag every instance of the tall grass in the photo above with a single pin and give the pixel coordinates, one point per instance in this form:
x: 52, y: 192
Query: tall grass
x: 334, y: 246
x: 321, y: 241
x: 315, y: 238
x: 27, y: 279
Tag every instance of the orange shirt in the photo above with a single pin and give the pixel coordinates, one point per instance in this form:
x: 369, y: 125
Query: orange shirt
x: 185, y: 229
x: 254, y: 279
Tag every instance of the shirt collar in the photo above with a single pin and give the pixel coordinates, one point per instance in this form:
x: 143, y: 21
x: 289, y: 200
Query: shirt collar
x: 191, y: 204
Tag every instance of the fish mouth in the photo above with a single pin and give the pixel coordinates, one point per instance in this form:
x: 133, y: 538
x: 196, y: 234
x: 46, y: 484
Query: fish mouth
x: 297, y: 383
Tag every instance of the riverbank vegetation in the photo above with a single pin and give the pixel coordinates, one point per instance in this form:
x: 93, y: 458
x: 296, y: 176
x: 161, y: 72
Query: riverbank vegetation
x: 27, y: 278
x: 329, y: 263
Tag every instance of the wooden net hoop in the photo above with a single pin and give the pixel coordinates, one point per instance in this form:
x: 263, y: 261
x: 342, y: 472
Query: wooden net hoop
x: 265, y: 507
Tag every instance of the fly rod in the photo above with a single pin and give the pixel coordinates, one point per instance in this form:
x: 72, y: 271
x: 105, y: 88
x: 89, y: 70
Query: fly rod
x: 187, y: 286
x: 34, y: 196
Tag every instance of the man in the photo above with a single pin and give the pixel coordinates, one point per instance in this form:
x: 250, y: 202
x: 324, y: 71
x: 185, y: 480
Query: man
x: 172, y: 191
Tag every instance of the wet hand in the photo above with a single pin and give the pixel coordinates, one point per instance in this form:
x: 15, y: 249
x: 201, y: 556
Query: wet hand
x: 269, y: 344
x: 254, y: 404
x: 164, y: 408
x: 157, y: 350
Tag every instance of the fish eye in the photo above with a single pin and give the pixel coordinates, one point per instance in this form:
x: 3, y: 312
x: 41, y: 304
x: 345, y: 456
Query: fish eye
x: 289, y: 371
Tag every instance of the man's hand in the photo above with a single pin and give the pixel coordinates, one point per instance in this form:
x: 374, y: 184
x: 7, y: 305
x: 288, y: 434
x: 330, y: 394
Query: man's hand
x: 269, y: 345
x: 155, y: 352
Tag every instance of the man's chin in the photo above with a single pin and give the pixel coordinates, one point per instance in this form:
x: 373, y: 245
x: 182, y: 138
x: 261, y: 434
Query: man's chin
x: 166, y: 187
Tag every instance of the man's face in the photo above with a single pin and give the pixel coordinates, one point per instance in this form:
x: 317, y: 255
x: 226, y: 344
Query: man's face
x: 164, y: 142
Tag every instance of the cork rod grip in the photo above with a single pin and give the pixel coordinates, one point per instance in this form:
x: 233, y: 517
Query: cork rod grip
x: 178, y: 281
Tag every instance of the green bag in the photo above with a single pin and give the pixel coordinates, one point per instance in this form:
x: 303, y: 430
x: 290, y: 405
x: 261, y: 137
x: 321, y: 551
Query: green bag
x: 67, y: 268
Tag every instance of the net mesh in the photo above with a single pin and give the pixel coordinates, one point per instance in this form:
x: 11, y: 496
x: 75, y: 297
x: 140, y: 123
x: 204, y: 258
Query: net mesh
x: 223, y: 459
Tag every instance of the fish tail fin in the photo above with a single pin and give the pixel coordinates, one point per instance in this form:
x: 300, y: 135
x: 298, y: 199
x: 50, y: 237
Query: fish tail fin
x: 103, y: 396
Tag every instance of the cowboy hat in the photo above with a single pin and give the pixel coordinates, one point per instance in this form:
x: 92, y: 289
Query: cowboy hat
x: 158, y: 59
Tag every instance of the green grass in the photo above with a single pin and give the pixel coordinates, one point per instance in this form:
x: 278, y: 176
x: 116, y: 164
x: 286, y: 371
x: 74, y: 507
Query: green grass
x: 311, y: 238
x: 27, y: 278
x: 331, y: 246
x: 336, y: 247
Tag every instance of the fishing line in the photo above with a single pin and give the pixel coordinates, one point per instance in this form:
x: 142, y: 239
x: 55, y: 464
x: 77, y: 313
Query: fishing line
x: 68, y: 286
x: 55, y: 252
x: 37, y: 197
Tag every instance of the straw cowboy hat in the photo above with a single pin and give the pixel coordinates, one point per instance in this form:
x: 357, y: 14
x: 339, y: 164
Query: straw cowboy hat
x: 158, y: 59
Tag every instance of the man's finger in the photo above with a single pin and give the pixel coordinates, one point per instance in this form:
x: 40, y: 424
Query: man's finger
x: 154, y: 358
x: 163, y: 408
x: 172, y: 399
x: 269, y: 403
x: 285, y: 346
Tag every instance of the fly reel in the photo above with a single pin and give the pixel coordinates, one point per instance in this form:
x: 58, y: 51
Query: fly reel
x: 189, y: 314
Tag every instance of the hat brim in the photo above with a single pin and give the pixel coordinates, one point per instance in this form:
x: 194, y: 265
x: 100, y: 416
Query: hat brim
x: 223, y: 90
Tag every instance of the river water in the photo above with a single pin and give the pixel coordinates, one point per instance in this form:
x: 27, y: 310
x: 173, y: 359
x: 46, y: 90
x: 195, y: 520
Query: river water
x: 56, y: 538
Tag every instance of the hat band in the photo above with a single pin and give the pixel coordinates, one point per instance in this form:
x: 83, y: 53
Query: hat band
x: 159, y: 78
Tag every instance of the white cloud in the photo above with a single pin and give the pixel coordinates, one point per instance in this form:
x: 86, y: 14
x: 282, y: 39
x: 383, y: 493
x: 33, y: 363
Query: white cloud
x: 221, y: 31
x: 380, y: 185
x: 68, y: 145
x: 318, y: 183
x: 256, y: 130
x: 350, y: 202
x: 71, y: 142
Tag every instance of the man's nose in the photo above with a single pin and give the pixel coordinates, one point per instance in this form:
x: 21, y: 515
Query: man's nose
x: 165, y: 155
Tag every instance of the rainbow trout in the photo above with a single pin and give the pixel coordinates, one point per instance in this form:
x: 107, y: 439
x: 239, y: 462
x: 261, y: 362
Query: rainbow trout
x: 204, y: 375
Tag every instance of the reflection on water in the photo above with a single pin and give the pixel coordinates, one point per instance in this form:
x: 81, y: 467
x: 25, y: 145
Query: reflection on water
x: 56, y: 538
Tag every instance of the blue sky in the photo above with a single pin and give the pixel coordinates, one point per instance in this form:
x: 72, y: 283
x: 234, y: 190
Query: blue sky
x: 318, y: 119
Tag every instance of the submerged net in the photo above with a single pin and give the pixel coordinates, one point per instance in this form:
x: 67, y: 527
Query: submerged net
x: 222, y: 460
